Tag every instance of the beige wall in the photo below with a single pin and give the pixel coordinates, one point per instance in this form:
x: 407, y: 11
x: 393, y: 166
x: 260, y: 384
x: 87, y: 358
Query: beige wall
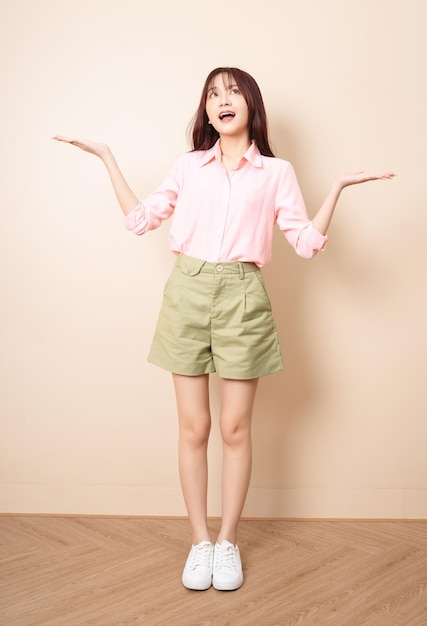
x: 87, y: 425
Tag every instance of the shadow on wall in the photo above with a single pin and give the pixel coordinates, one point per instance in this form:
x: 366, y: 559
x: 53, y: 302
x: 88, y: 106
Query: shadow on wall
x: 349, y: 273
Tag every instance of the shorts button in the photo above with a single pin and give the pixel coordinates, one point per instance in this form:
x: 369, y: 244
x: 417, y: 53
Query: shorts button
x: 219, y: 268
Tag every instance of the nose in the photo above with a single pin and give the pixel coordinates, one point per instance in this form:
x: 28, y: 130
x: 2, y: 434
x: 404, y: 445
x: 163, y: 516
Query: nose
x: 225, y: 100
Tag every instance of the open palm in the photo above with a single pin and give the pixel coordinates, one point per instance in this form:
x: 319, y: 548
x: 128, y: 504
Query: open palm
x: 98, y: 149
x: 354, y: 178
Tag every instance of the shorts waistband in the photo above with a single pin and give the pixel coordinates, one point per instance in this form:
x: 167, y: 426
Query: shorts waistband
x: 192, y: 266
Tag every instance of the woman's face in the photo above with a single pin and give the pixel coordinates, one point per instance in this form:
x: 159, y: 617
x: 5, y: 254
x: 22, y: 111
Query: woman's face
x: 226, y: 107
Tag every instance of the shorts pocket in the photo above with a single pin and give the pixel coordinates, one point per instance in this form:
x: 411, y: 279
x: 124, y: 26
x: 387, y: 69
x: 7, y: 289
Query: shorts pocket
x: 257, y: 302
x: 190, y: 266
x: 173, y: 287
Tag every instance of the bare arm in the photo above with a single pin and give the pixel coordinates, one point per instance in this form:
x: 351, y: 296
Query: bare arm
x: 323, y: 217
x: 127, y: 199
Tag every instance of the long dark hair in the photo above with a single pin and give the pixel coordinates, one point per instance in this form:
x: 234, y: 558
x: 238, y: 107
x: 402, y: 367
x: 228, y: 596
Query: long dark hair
x: 204, y: 136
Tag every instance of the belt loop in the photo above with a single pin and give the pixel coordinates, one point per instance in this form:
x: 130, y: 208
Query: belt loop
x: 241, y: 271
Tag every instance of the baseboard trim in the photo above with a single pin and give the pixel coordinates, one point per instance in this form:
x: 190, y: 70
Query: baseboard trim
x: 216, y: 519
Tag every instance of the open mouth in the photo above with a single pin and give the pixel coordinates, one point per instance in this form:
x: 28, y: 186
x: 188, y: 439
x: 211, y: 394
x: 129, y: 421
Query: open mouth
x: 226, y: 115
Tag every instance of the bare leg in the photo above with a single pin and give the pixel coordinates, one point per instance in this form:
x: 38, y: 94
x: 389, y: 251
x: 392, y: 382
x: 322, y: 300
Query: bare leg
x: 192, y: 398
x: 235, y: 422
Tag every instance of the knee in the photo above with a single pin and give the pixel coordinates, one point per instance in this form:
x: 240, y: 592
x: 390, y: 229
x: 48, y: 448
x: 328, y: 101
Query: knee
x: 195, y: 433
x: 235, y: 434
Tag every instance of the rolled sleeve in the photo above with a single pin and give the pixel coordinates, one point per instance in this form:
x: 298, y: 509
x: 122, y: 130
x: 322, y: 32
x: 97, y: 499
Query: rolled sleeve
x: 137, y: 220
x: 292, y: 218
x: 310, y: 242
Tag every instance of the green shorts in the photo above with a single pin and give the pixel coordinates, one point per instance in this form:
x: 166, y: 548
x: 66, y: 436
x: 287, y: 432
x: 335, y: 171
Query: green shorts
x: 216, y: 317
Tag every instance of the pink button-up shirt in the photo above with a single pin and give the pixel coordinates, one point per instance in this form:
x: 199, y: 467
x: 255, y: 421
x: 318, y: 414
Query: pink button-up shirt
x: 229, y: 217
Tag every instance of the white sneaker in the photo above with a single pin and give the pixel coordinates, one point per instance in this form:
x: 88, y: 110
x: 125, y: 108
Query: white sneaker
x: 197, y: 572
x: 227, y: 569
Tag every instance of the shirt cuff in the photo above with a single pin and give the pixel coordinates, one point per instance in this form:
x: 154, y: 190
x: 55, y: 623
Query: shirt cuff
x: 318, y: 240
x: 310, y: 242
x: 136, y: 219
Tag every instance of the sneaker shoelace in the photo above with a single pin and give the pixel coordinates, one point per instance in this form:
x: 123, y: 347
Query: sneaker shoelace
x: 226, y: 558
x: 201, y: 556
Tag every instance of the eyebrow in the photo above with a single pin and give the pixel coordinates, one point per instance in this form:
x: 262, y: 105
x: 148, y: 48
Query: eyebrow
x: 227, y: 87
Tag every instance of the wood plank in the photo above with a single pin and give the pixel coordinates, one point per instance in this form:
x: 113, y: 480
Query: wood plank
x: 65, y: 571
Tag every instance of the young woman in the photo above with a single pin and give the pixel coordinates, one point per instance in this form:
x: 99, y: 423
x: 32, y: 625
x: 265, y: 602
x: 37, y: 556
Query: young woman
x: 225, y: 197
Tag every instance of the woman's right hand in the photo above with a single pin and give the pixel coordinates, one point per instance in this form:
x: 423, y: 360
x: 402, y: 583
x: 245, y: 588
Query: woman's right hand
x: 100, y: 150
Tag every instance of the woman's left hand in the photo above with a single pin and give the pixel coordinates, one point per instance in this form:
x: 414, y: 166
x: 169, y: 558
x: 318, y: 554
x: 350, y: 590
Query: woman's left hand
x: 346, y: 179
x: 323, y: 217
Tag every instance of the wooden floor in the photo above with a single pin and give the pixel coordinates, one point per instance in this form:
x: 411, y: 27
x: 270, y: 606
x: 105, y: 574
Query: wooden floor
x: 67, y: 571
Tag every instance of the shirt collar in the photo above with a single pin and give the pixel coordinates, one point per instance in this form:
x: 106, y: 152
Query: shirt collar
x: 252, y: 155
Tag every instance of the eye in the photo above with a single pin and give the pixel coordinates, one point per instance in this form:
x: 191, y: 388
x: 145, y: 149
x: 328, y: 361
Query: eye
x: 213, y: 94
x: 235, y: 91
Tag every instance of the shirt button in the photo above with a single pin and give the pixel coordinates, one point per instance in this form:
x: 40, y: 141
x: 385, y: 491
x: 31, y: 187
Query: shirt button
x: 219, y: 268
